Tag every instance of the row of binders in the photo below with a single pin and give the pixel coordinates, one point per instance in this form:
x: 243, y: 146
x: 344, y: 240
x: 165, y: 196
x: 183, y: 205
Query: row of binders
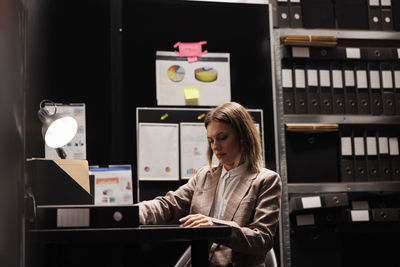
x: 333, y: 52
x: 341, y: 86
x: 314, y: 210
x: 369, y: 156
x: 341, y: 14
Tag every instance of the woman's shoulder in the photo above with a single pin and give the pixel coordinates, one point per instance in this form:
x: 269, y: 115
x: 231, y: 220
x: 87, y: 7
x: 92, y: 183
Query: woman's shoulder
x: 267, y: 174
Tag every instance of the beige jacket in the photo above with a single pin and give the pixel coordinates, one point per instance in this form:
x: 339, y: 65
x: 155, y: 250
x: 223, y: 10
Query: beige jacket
x: 252, y: 212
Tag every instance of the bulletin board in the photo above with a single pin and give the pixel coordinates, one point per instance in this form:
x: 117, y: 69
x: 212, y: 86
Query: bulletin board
x: 172, y: 142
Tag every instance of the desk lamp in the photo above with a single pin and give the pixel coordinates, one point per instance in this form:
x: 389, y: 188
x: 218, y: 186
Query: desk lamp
x: 58, y: 129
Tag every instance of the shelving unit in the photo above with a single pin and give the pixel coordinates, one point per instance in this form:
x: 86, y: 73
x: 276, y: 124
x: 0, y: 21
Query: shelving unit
x: 294, y: 189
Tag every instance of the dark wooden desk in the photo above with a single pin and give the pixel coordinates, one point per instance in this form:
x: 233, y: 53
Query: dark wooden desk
x: 198, y: 237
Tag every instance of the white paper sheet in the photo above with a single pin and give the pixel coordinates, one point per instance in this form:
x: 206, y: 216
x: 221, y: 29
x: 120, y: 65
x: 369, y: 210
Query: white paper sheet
x: 325, y: 79
x: 194, y: 146
x: 374, y: 79
x: 346, y: 146
x: 312, y: 77
x: 349, y: 78
x: 371, y: 146
x: 337, y: 79
x: 298, y: 51
x: 362, y: 79
x: 359, y: 146
x: 300, y: 78
x: 170, y: 90
x: 287, y: 78
x: 387, y: 81
x: 158, y: 151
x: 353, y: 52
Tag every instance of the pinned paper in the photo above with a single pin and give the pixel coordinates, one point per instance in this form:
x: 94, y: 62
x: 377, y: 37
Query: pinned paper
x: 190, y: 50
x: 191, y: 93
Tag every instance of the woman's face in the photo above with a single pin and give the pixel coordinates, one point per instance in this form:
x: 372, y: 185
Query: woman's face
x: 224, y: 143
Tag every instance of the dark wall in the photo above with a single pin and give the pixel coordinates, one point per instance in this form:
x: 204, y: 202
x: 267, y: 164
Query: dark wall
x: 11, y: 132
x: 102, y: 53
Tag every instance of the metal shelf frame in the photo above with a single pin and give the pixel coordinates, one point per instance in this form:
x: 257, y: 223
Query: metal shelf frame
x: 342, y: 119
x: 342, y: 34
x: 315, y: 188
x: 280, y: 133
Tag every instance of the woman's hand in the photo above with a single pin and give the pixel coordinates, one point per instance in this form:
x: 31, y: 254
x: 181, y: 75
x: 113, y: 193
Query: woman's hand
x: 196, y: 220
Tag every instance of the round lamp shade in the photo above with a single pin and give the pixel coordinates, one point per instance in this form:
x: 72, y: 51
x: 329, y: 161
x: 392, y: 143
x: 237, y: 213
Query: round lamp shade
x: 59, y: 130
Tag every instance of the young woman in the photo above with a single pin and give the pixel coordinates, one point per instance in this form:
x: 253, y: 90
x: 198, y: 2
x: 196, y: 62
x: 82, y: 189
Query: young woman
x: 239, y: 192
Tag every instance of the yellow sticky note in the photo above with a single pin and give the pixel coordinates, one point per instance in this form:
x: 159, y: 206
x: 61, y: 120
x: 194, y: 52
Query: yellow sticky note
x: 191, y: 93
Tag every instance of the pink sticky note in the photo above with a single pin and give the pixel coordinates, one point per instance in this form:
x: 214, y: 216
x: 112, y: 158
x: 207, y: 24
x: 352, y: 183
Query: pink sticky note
x: 190, y: 50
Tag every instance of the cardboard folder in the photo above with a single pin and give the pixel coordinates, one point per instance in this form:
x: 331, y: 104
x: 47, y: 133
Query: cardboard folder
x: 59, y: 181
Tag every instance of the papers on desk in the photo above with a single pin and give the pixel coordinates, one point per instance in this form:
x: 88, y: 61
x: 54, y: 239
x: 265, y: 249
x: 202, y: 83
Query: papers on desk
x: 112, y: 185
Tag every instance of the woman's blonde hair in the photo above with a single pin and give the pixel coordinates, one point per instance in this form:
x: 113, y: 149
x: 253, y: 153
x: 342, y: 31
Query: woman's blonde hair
x: 242, y: 123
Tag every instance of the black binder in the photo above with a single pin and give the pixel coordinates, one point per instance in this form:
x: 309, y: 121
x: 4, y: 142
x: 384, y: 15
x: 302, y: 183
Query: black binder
x: 352, y: 14
x: 287, y: 87
x: 51, y: 185
x: 325, y: 88
x: 363, y: 99
x: 375, y: 87
x: 313, y: 102
x: 338, y: 100
x: 300, y: 96
x: 396, y: 79
x: 394, y: 156
x: 296, y: 14
x: 374, y: 15
x: 379, y: 53
x: 312, y: 157
x: 283, y: 14
x: 372, y: 156
x: 360, y: 163
x: 384, y: 158
x: 325, y: 53
x: 386, y: 15
x: 346, y: 157
x: 350, y: 88
x: 388, y: 95
x: 318, y: 14
x: 396, y: 14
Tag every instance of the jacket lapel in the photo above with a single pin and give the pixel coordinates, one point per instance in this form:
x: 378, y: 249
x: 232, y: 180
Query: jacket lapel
x: 238, y: 195
x: 209, y: 192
